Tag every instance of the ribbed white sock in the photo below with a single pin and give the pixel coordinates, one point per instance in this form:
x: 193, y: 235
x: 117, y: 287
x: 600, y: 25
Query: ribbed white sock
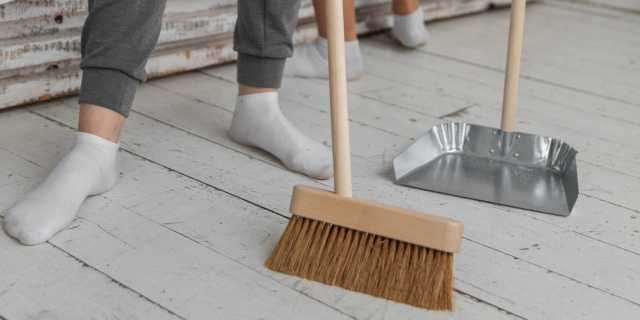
x: 311, y: 60
x: 88, y: 169
x: 409, y: 30
x: 259, y: 122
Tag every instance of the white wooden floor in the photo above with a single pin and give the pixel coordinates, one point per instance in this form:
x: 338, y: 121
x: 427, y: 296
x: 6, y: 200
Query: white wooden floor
x: 186, y: 230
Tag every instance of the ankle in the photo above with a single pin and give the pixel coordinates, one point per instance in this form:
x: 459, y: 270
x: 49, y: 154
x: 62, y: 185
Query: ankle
x: 409, y: 29
x: 88, y: 169
x: 312, y: 60
x: 102, y: 122
x: 405, y: 7
x: 99, y: 157
x: 259, y: 122
x: 257, y: 102
x: 245, y: 90
x: 251, y: 113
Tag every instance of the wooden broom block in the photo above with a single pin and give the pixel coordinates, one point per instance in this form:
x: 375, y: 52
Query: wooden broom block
x: 381, y: 219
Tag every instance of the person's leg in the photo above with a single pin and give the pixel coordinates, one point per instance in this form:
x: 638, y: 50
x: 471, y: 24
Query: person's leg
x: 408, y: 23
x: 117, y: 39
x: 99, y: 121
x: 263, y: 41
x: 349, y: 10
x: 405, y: 7
x: 311, y: 60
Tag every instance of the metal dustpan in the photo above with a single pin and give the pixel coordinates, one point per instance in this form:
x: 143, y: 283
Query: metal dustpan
x: 495, y: 165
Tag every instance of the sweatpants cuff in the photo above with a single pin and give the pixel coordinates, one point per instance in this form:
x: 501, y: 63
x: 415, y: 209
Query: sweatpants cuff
x: 108, y: 88
x: 260, y: 72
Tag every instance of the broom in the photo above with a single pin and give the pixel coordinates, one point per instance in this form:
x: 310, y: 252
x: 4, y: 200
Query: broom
x: 361, y: 245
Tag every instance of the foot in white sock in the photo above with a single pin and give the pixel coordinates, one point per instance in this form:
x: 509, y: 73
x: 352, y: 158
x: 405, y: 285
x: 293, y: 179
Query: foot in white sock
x: 311, y: 60
x: 409, y: 30
x: 88, y: 169
x: 259, y: 122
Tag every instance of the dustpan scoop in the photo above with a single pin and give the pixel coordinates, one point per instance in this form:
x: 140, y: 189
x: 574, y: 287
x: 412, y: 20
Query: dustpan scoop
x: 495, y: 165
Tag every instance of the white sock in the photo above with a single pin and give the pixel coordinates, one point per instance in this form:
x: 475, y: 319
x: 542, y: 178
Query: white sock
x: 311, y: 60
x: 88, y: 169
x: 409, y: 30
x: 259, y: 122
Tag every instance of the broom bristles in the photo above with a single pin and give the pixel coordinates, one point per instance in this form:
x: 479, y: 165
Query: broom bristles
x: 366, y: 263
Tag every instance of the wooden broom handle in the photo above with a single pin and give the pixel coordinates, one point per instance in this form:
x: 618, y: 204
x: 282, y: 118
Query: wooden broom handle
x: 513, y: 65
x: 338, y: 92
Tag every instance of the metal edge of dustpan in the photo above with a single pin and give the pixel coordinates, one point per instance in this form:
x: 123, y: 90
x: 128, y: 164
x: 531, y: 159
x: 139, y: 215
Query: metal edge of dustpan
x: 509, y: 168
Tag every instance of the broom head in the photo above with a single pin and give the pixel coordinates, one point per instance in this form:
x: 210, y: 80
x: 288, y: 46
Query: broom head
x: 369, y: 247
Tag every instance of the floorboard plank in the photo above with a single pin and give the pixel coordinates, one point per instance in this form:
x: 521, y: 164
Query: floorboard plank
x: 189, y: 279
x: 395, y: 103
x: 487, y: 218
x: 602, y: 119
x: 401, y: 121
x: 364, y: 144
x: 456, y: 39
x: 45, y: 282
x: 195, y: 215
x: 621, y: 9
x: 409, y: 123
x: 157, y: 224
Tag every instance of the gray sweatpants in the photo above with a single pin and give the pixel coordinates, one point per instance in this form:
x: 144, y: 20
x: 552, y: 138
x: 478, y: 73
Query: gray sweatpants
x: 119, y: 35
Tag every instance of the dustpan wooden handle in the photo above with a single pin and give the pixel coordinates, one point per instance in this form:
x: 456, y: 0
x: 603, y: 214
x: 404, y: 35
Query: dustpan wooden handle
x: 338, y: 92
x: 513, y: 65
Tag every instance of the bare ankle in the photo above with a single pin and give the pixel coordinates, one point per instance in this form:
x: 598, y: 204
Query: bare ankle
x: 405, y: 7
x: 244, y: 90
x: 102, y: 122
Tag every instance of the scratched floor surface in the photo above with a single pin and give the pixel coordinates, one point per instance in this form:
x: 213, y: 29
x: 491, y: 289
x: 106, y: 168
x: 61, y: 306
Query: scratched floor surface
x: 186, y: 230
